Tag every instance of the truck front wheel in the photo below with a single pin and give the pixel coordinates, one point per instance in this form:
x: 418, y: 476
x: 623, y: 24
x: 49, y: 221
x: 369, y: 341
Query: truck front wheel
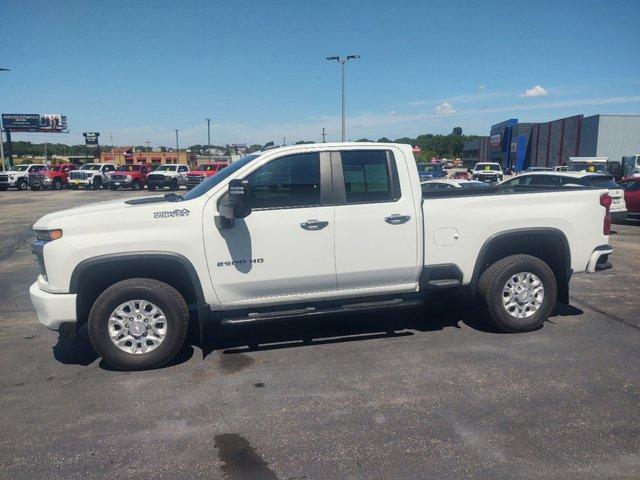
x: 138, y: 324
x: 518, y: 292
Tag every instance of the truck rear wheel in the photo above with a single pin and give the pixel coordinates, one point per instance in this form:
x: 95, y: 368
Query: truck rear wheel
x: 518, y: 292
x: 138, y: 324
x: 57, y: 184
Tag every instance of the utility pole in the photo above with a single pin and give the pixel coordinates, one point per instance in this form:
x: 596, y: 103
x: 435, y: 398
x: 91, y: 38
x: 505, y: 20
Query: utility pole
x: 209, y: 139
x: 343, y: 61
x: 45, y: 150
x: 2, y: 144
x: 113, y: 155
x: 324, y: 136
x: 284, y: 141
x: 2, y: 168
x: 148, y: 143
x: 177, y: 147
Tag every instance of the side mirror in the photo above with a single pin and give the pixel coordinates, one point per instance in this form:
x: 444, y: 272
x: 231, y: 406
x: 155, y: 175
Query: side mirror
x: 238, y: 202
x: 469, y: 170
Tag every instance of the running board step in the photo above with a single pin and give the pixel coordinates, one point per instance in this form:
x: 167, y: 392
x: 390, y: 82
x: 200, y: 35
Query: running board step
x: 313, y: 311
x: 444, y: 283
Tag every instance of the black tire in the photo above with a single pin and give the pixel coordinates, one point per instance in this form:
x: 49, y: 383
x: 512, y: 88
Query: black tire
x: 113, y: 188
x: 164, y: 296
x: 75, y: 187
x: 97, y: 184
x: 174, y: 184
x: 57, y: 184
x: 493, y: 281
x: 151, y: 188
x: 22, y: 184
x: 35, y: 189
x: 4, y: 189
x: 135, y: 186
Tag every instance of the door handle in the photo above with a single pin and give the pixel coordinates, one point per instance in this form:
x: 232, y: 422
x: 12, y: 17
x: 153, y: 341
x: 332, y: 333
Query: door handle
x: 314, y: 224
x: 396, y: 219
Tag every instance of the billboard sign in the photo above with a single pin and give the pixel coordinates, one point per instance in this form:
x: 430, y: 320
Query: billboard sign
x: 91, y: 138
x: 35, y: 122
x: 494, y: 140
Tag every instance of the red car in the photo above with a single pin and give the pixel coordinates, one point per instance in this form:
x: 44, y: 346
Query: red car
x: 55, y: 177
x: 631, y: 187
x: 460, y: 176
x: 203, y: 172
x: 133, y: 176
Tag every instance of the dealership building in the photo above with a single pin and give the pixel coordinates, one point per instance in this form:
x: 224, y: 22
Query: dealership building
x: 127, y: 155
x: 519, y: 146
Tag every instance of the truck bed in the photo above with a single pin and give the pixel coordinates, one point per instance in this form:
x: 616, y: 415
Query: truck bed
x: 458, y: 222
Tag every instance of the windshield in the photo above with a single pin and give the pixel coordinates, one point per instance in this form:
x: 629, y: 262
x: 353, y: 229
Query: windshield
x: 128, y: 168
x: 90, y: 166
x: 487, y: 167
x: 19, y: 168
x: 211, y: 182
x: 166, y: 168
x: 587, y: 167
x: 208, y: 168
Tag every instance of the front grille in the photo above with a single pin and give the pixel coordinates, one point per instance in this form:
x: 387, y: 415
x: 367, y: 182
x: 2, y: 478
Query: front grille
x: 118, y: 178
x: 156, y: 177
x: 78, y: 175
x: 4, y: 178
x: 193, y: 180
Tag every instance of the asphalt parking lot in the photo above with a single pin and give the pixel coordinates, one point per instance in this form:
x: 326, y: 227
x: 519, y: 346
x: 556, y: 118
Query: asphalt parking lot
x: 415, y: 394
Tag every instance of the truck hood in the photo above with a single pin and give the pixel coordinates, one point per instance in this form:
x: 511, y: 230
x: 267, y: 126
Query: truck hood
x: 98, y: 213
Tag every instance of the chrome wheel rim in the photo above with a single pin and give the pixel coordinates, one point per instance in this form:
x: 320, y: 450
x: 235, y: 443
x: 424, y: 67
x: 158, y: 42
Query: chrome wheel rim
x: 523, y: 294
x: 137, y: 326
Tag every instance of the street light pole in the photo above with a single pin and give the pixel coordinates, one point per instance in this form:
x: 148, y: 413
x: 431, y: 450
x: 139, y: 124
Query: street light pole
x: 2, y: 168
x: 343, y: 61
x: 209, y: 139
x: 177, y: 148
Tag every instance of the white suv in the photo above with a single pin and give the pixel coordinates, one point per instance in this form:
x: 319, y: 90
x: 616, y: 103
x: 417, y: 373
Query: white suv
x: 91, y: 175
x: 18, y: 176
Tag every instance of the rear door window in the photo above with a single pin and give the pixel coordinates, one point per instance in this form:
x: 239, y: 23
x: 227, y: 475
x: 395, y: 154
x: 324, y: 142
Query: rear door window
x: 369, y: 176
x: 546, y: 180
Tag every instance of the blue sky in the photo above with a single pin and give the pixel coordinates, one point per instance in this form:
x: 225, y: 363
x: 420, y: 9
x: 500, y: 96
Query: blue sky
x: 140, y: 69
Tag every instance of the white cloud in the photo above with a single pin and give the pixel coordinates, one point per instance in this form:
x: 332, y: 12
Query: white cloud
x: 445, y: 108
x: 481, y: 87
x: 536, y: 91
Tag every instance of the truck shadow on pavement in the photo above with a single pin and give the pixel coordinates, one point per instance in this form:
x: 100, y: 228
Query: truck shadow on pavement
x: 448, y: 310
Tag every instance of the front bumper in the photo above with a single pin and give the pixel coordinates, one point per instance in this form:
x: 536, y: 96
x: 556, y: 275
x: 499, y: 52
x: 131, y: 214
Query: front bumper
x: 159, y: 183
x: 599, y: 259
x: 8, y: 184
x: 81, y: 183
x: 53, y: 309
x: 120, y: 184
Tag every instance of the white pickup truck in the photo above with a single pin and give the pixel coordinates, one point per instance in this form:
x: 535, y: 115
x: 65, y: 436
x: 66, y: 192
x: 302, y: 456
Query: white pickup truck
x: 305, y: 230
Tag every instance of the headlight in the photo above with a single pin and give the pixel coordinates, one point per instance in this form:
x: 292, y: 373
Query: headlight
x: 48, y: 235
x: 128, y: 177
x: 90, y: 175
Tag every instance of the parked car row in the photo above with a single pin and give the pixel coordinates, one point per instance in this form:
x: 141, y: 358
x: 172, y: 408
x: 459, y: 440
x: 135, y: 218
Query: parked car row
x: 106, y: 175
